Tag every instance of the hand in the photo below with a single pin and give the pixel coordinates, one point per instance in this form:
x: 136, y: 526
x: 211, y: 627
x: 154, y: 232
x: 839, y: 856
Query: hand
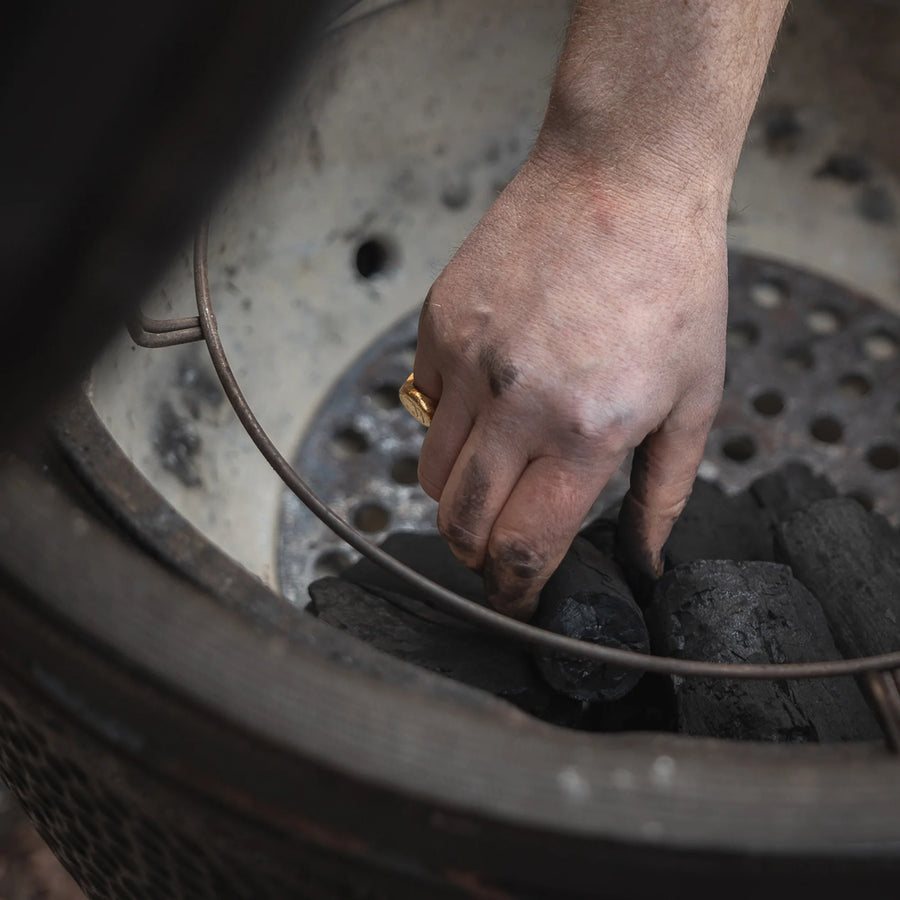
x: 582, y: 318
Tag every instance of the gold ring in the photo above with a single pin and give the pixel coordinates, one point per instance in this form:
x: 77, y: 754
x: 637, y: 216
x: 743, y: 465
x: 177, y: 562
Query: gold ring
x: 417, y: 404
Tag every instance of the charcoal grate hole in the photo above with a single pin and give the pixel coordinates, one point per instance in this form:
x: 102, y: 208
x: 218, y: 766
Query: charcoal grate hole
x: 742, y: 335
x: 880, y: 346
x: 823, y: 320
x: 374, y: 257
x: 769, y: 293
x: 854, y: 385
x: 348, y: 442
x: 332, y: 564
x: 884, y: 457
x: 405, y: 470
x: 739, y: 448
x: 768, y: 403
x: 826, y: 429
x: 798, y: 359
x: 386, y: 397
x: 371, y: 517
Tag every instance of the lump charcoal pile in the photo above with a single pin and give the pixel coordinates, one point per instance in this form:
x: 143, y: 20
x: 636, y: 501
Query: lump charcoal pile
x: 588, y: 590
x: 784, y: 572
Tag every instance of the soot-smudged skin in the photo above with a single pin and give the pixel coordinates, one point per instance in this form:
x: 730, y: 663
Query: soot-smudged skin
x: 501, y: 373
x: 468, y: 508
x: 588, y: 598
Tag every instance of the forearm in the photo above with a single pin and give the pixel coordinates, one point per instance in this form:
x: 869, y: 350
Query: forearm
x: 655, y: 88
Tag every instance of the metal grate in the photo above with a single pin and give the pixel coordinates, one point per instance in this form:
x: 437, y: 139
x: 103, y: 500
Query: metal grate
x: 813, y: 375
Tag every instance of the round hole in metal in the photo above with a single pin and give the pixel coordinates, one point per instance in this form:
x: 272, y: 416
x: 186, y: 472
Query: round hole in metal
x: 769, y: 293
x: 822, y: 320
x: 371, y: 517
x: 348, y: 442
x: 739, y: 448
x: 884, y: 457
x: 405, y: 470
x: 880, y: 346
x: 798, y: 359
x: 742, y: 335
x: 768, y: 403
x: 826, y: 429
x: 374, y: 256
x: 854, y: 385
x: 332, y: 563
x: 386, y: 397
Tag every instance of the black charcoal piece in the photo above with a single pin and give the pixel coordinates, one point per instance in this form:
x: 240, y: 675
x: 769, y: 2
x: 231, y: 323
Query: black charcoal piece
x: 789, y: 489
x: 380, y: 609
x: 850, y: 560
x: 587, y: 598
x: 602, y: 534
x: 427, y: 554
x: 739, y: 612
x: 715, y: 525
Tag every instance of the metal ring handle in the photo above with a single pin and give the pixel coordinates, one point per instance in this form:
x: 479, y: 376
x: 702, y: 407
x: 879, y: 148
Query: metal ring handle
x: 453, y: 604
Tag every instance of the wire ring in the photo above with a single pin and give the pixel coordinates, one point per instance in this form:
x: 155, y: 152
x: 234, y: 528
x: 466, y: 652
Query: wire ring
x: 449, y: 602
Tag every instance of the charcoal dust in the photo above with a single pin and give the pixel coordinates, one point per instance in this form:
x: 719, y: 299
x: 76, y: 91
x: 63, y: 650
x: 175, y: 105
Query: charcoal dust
x: 177, y: 444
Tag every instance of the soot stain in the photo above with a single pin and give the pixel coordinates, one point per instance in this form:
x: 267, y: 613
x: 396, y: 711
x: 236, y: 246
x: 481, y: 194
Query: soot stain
x: 874, y: 204
x: 177, y: 445
x: 502, y: 593
x: 473, y: 494
x: 458, y: 537
x: 501, y: 373
x: 846, y: 167
x: 198, y: 389
x: 782, y: 129
x: 522, y: 561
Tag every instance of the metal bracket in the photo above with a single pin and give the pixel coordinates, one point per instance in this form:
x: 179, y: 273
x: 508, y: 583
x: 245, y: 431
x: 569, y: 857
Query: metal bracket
x: 152, y: 333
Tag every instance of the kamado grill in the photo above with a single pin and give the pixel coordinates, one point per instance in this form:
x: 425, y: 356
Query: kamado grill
x: 174, y: 721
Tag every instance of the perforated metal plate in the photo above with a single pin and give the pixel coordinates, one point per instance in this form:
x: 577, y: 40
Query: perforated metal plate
x: 813, y: 375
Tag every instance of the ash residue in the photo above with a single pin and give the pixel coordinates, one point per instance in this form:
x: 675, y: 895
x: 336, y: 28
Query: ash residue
x: 177, y: 444
x: 198, y: 388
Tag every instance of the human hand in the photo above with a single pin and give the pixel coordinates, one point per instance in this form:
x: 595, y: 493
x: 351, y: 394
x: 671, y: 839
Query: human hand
x: 580, y: 319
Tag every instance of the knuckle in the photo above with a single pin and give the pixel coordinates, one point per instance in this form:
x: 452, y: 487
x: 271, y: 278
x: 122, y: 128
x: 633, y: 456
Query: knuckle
x: 462, y: 541
x: 516, y: 556
x: 605, y: 431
